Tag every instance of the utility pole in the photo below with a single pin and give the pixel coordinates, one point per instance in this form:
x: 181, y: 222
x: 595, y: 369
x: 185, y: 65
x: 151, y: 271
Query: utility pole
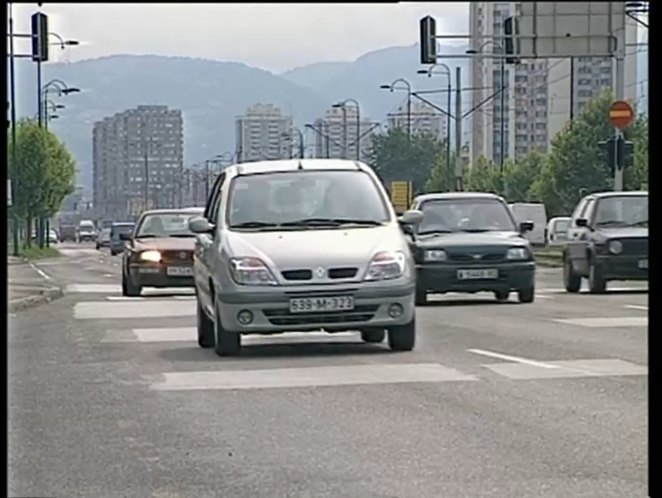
x: 146, y: 159
x: 572, y: 89
x: 618, y: 134
x: 458, y: 129
x: 502, y: 125
x: 12, y: 106
x: 344, y: 132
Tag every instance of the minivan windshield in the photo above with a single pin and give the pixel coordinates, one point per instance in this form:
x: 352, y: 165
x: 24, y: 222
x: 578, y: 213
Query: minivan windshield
x: 304, y: 199
x: 165, y: 225
x: 465, y: 215
x: 626, y: 210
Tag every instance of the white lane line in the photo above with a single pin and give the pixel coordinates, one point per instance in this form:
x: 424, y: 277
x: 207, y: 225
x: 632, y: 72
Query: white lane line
x: 94, y: 288
x: 516, y: 359
x: 310, y: 377
x: 561, y: 290
x: 636, y: 307
x: 143, y: 309
x: 569, y: 369
x: 124, y: 298
x: 40, y: 271
x: 189, y: 334
x: 609, y: 322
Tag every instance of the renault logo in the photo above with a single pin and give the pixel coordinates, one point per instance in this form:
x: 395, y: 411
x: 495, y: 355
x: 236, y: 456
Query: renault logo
x: 182, y: 255
x: 320, y: 272
x: 477, y: 256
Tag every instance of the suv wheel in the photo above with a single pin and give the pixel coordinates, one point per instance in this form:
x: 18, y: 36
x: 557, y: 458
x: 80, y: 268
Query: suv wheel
x: 526, y: 295
x: 205, y: 329
x: 596, y: 283
x: 402, y: 337
x: 226, y: 343
x: 421, y: 296
x: 571, y: 280
x: 128, y: 289
x: 374, y: 336
x: 502, y: 295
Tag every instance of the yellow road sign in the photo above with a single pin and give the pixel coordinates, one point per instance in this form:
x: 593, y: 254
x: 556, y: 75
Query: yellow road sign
x: 401, y: 195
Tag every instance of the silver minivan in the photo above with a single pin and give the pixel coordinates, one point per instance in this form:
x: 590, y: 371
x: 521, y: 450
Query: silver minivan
x: 302, y: 245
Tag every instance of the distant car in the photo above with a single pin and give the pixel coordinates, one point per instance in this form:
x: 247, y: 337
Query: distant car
x: 103, y: 239
x: 68, y: 233
x: 159, y: 253
x: 608, y: 240
x: 86, y: 231
x: 470, y: 242
x: 116, y: 243
x: 557, y: 231
x: 534, y: 212
x: 52, y: 236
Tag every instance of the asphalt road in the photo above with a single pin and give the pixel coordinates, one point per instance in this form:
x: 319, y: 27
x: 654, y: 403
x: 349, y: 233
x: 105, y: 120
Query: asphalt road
x: 111, y: 397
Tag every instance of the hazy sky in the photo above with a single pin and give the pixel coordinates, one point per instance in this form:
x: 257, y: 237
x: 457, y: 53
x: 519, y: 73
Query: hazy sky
x: 276, y: 37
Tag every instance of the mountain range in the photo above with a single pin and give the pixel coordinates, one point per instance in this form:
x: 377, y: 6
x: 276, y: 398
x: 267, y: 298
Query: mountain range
x: 211, y: 93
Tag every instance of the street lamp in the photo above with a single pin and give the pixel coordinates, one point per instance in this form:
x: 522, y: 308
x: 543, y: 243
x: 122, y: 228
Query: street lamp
x: 290, y: 136
x: 502, y: 89
x: 392, y: 87
x: 63, y: 42
x: 343, y: 106
x: 447, y: 72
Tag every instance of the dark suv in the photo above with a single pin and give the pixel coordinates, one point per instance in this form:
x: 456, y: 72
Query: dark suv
x: 607, y: 240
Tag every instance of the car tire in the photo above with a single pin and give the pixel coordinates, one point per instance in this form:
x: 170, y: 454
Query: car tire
x: 128, y: 288
x: 527, y: 295
x: 502, y: 295
x: 205, y: 329
x: 225, y: 343
x: 373, y: 336
x: 402, y: 337
x: 98, y: 247
x: 596, y: 283
x: 421, y: 298
x: 572, y: 281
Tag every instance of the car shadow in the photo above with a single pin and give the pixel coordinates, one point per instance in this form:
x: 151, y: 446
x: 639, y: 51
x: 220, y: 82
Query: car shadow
x: 616, y: 292
x: 466, y: 302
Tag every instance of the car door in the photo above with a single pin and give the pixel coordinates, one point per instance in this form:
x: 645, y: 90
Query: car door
x: 581, y: 238
x: 574, y: 231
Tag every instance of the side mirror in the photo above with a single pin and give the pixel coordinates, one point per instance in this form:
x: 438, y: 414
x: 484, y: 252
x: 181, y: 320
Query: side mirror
x: 411, y: 218
x: 526, y: 226
x: 200, y: 225
x: 125, y: 236
x: 581, y: 222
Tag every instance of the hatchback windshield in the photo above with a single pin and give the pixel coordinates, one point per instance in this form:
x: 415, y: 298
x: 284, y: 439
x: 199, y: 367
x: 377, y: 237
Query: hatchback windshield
x: 465, y: 215
x: 305, y: 198
x: 165, y: 225
x: 626, y: 210
x: 116, y: 230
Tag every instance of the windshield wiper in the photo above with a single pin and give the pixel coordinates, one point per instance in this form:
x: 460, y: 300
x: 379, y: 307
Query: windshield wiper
x: 254, y: 224
x: 429, y: 232
x: 476, y: 230
x: 640, y: 223
x: 318, y: 222
x: 611, y: 223
x: 147, y: 236
x: 358, y: 221
x: 182, y: 235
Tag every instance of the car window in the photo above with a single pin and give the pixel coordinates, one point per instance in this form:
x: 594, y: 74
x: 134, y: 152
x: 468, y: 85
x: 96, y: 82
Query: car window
x: 578, y: 211
x: 216, y: 201
x: 561, y: 226
x: 211, y: 201
x: 460, y: 215
x: 588, y: 210
x: 290, y: 197
x: 621, y: 211
x: 165, y: 225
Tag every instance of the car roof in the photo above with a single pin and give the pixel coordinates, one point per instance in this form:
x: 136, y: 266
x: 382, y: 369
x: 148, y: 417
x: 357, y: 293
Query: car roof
x: 285, y: 165
x: 633, y: 193
x: 121, y: 223
x: 434, y: 196
x: 174, y: 211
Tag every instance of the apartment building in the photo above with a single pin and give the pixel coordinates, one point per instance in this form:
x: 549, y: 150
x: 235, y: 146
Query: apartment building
x: 424, y: 119
x: 137, y: 161
x: 263, y: 133
x: 336, y: 134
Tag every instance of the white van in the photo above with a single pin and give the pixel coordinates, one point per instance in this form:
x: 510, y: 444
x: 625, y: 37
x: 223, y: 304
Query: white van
x: 536, y: 213
x: 557, y: 231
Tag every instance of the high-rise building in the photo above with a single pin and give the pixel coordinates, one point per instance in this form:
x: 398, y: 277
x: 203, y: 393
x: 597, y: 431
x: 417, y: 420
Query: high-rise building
x: 263, y: 133
x: 336, y: 134
x: 137, y: 161
x: 424, y: 118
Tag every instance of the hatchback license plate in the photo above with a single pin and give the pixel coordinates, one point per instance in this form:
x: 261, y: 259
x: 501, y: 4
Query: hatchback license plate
x: 180, y: 271
x: 318, y: 304
x: 643, y: 264
x: 490, y: 274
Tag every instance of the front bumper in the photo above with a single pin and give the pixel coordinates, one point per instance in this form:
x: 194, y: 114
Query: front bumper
x: 443, y: 277
x: 271, y: 308
x: 87, y: 238
x: 622, y: 267
x: 156, y: 275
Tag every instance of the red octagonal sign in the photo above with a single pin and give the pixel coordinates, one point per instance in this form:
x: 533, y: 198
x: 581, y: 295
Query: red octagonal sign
x: 621, y: 114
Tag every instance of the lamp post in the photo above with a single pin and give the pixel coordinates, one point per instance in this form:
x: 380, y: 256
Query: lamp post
x: 392, y: 87
x: 343, y: 106
x: 447, y: 72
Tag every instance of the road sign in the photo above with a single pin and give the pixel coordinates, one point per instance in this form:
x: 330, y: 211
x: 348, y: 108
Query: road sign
x: 401, y: 195
x: 621, y: 114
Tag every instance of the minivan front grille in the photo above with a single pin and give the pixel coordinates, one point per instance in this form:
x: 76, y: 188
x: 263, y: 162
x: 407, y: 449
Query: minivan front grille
x: 471, y: 258
x: 297, y: 274
x: 343, y: 272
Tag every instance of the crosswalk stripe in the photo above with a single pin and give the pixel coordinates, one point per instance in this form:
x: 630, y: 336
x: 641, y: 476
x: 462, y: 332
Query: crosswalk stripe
x: 144, y: 309
x: 187, y: 334
x: 605, y: 322
x: 568, y: 369
x: 636, y: 307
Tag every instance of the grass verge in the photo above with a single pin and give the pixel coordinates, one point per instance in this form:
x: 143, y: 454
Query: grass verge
x: 35, y: 252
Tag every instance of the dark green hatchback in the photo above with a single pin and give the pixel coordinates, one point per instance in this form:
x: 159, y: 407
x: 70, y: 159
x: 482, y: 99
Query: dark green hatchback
x: 470, y: 242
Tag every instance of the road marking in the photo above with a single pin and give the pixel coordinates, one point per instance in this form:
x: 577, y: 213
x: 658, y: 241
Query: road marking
x: 189, y: 334
x: 40, y: 271
x: 94, y: 288
x: 109, y: 275
x: 569, y: 369
x: 561, y: 290
x: 543, y: 296
x: 636, y: 307
x: 78, y: 252
x: 612, y: 322
x: 124, y: 298
x: 143, y: 309
x: 310, y: 377
x: 516, y: 359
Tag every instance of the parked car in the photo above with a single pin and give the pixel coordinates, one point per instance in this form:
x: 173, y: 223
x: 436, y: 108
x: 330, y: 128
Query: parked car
x: 116, y: 243
x: 103, y: 239
x: 302, y: 245
x: 159, y: 253
x: 470, y: 242
x: 608, y: 240
x: 557, y: 231
x: 52, y: 236
x: 86, y: 231
x: 534, y: 212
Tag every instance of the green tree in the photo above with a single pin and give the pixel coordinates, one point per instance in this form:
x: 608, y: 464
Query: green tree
x: 520, y: 175
x: 635, y: 177
x: 395, y: 156
x: 484, y: 176
x: 442, y: 176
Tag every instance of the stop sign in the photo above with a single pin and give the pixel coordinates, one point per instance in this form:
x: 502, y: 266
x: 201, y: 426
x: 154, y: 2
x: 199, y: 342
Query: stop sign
x: 621, y: 114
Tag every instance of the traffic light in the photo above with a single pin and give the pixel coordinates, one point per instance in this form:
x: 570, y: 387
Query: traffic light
x: 428, y: 40
x: 621, y: 155
x: 625, y: 153
x: 511, y: 42
x: 39, y: 37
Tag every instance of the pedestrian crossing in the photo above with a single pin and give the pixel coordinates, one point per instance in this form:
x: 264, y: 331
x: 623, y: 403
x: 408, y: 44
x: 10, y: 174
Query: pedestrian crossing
x: 161, y: 320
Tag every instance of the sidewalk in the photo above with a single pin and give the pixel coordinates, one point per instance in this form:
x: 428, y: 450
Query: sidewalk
x: 27, y: 286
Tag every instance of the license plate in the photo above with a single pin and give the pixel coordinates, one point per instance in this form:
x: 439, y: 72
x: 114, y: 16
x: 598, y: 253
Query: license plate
x: 180, y: 271
x: 643, y: 264
x: 491, y: 273
x: 318, y: 304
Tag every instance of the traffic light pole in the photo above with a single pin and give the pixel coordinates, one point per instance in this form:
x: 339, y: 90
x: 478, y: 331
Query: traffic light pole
x: 620, y: 95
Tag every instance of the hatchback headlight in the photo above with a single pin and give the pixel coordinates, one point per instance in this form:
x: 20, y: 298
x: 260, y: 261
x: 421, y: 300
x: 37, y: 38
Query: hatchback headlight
x: 153, y: 256
x: 386, y: 265
x: 615, y: 247
x: 517, y: 253
x: 433, y: 255
x: 251, y: 271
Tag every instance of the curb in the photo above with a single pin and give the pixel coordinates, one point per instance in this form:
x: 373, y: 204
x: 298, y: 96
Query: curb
x: 45, y: 296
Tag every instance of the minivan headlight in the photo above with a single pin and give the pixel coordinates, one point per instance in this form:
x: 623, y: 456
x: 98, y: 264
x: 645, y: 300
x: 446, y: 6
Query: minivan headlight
x: 517, y: 253
x: 153, y: 256
x: 251, y: 271
x: 386, y: 265
x: 434, y: 255
x: 615, y: 247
